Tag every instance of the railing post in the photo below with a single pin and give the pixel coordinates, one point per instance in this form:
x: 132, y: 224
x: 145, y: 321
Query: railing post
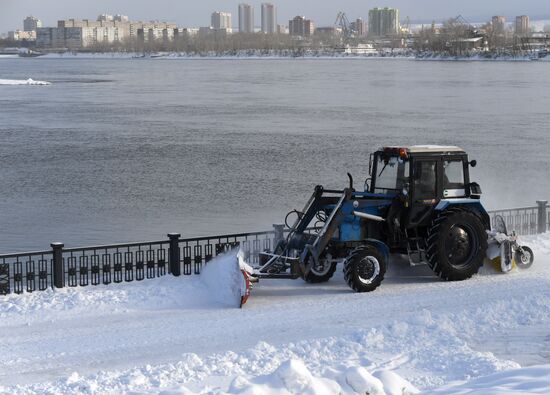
x: 541, y: 217
x: 174, y: 254
x: 279, y: 234
x: 58, y: 272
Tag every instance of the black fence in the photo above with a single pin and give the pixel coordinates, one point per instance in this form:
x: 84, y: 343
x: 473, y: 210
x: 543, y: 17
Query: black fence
x: 78, y: 267
x: 61, y: 267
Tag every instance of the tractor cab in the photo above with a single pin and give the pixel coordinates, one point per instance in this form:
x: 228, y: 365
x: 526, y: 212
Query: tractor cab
x: 420, y: 178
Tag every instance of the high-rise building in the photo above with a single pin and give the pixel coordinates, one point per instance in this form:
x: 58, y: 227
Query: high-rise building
x: 360, y: 27
x: 499, y: 24
x: 383, y: 22
x: 269, y: 18
x: 246, y: 18
x: 30, y: 24
x: 221, y: 21
x: 81, y: 33
x: 300, y: 26
x: 522, y: 25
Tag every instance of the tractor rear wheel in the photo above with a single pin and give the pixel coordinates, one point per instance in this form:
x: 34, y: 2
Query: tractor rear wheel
x: 322, y: 272
x: 456, y: 244
x: 364, y: 269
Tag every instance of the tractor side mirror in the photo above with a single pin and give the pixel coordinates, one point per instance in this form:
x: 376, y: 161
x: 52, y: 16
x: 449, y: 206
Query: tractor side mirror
x: 473, y: 163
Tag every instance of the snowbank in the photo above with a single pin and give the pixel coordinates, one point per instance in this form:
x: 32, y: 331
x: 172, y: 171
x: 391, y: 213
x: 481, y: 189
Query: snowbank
x: 159, y: 294
x: 293, y: 377
x: 531, y: 380
x: 210, y: 290
x: 30, y: 81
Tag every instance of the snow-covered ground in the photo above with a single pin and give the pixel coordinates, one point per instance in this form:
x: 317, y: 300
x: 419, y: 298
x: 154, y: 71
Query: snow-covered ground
x: 172, y: 336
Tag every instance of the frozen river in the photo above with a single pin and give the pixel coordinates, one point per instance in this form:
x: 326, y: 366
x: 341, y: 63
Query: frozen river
x: 125, y: 149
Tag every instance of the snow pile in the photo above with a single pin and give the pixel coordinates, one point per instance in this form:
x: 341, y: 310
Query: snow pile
x: 30, y: 81
x: 219, y: 284
x: 531, y: 380
x: 223, y: 278
x: 164, y: 293
x: 362, y: 382
x: 293, y: 377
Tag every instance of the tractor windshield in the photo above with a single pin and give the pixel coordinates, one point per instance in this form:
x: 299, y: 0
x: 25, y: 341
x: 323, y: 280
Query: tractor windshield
x: 391, y: 174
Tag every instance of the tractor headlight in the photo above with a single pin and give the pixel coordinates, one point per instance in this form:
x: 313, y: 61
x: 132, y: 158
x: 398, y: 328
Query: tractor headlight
x: 355, y: 204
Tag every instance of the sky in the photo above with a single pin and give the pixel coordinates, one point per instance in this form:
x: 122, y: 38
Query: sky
x: 323, y: 12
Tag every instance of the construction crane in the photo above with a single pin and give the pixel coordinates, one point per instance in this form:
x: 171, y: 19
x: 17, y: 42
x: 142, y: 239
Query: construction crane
x: 460, y: 20
x: 343, y: 23
x: 407, y: 25
x: 406, y: 28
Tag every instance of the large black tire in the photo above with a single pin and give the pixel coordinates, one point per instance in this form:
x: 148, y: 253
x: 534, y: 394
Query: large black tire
x: 456, y: 244
x: 321, y: 274
x: 364, y: 269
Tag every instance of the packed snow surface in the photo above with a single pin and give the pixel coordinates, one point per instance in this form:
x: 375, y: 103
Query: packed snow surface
x: 176, y: 336
x: 29, y: 81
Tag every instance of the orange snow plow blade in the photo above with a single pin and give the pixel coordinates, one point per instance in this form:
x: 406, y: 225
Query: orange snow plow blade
x: 228, y: 278
x: 245, y: 291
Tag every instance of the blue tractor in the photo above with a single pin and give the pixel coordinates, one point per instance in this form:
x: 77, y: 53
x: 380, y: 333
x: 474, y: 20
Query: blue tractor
x: 417, y: 201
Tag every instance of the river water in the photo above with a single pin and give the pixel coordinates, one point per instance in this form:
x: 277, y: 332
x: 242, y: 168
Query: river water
x: 120, y: 150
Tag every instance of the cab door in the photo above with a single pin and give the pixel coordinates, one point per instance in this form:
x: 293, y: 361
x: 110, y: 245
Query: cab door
x: 425, y: 189
x: 455, y: 177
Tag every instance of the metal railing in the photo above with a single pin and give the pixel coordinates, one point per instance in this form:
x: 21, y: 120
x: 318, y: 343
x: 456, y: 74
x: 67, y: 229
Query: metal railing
x: 29, y: 271
x: 116, y: 263
x: 525, y: 220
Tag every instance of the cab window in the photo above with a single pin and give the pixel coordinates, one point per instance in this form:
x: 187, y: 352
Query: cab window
x: 391, y: 175
x: 453, y: 179
x: 425, y: 180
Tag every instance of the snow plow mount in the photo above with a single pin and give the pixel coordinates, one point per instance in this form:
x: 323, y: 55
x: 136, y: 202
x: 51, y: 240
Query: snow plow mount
x: 277, y: 266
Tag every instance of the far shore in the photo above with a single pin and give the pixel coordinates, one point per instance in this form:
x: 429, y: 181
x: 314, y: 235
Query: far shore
x: 308, y: 54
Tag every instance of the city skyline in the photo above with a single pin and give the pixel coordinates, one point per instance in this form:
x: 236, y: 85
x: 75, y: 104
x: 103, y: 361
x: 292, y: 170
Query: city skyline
x: 49, y: 11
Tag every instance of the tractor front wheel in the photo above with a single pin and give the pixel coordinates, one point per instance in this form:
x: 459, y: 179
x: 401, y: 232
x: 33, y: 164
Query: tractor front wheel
x: 364, y: 269
x: 456, y: 244
x: 322, y: 272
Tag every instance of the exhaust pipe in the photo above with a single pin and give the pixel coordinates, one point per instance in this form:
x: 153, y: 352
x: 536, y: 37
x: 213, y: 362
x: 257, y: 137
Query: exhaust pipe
x: 350, y: 181
x: 368, y: 216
